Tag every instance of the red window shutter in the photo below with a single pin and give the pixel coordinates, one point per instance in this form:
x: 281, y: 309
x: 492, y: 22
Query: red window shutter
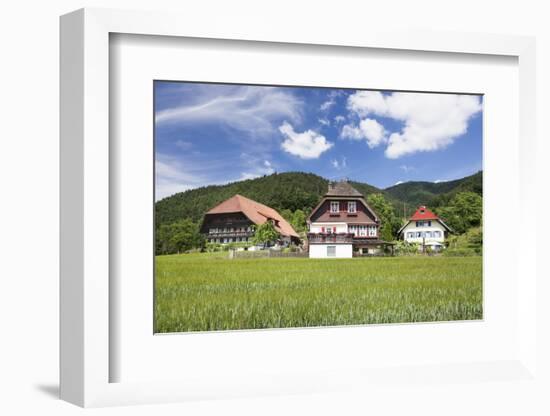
x: 334, y: 229
x: 322, y: 229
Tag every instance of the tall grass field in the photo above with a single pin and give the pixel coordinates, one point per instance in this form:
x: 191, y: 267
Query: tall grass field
x: 208, y: 291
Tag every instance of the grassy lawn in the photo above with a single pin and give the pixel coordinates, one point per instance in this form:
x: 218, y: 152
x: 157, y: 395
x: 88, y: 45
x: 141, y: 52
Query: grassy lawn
x: 204, y: 292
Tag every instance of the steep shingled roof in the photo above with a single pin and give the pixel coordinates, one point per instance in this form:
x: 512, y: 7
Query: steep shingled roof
x: 342, y: 188
x: 256, y: 212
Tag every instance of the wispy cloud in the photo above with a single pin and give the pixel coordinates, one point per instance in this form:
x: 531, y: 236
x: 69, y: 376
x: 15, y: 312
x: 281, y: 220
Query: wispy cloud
x: 342, y: 163
x: 407, y: 168
x: 339, y: 119
x: 257, y: 170
x: 177, y: 173
x: 253, y: 110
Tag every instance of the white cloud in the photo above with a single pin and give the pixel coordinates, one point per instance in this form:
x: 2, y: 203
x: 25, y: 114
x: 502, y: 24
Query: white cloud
x: 407, y: 168
x: 327, y: 104
x: 339, y: 164
x: 369, y: 129
x: 256, y: 168
x: 171, y: 177
x: 306, y: 145
x: 324, y: 121
x: 184, y: 145
x: 339, y: 119
x: 254, y: 110
x: 431, y: 121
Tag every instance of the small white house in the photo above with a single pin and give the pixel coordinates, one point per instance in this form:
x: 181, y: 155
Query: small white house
x: 426, y: 229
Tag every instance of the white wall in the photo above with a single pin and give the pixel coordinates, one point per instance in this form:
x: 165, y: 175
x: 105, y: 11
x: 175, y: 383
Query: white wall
x: 29, y: 212
x: 411, y: 227
x: 341, y: 227
x: 319, y: 251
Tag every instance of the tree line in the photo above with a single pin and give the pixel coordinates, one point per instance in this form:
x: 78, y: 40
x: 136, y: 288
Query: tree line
x: 462, y: 212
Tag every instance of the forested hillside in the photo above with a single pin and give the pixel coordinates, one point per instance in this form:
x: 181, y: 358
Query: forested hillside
x: 435, y: 194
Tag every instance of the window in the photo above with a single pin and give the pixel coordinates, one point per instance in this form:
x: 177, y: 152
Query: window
x: 372, y: 230
x: 428, y: 234
x: 437, y: 234
x: 352, y: 229
x: 410, y: 235
x: 335, y: 207
x: 419, y: 234
x: 352, y: 207
x: 423, y: 223
x: 331, y: 251
x: 329, y: 230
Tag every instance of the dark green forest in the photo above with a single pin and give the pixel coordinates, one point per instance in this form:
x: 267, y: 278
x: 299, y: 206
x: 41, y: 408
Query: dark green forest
x: 295, y: 194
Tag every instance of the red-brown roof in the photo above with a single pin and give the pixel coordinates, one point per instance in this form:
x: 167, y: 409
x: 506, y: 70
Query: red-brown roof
x: 423, y: 213
x: 256, y: 212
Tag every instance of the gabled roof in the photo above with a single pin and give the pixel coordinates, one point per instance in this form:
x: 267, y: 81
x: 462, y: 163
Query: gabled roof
x: 423, y: 213
x: 342, y: 188
x: 256, y: 212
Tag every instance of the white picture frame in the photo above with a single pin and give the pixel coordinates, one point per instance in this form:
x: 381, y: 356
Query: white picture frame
x: 85, y: 353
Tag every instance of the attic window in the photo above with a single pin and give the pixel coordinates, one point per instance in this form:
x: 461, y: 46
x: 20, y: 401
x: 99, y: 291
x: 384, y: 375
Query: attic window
x: 334, y: 207
x: 352, y: 207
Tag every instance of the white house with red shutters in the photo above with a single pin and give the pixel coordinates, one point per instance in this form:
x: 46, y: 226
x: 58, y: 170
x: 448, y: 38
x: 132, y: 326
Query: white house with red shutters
x: 425, y: 228
x: 343, y: 224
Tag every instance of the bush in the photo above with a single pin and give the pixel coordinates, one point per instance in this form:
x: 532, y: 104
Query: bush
x: 403, y: 248
x: 459, y: 252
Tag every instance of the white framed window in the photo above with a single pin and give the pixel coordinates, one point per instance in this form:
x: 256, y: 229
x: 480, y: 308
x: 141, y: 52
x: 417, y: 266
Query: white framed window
x: 428, y: 234
x: 352, y: 207
x: 437, y: 234
x: 334, y: 206
x: 410, y: 235
x: 372, y: 230
x: 353, y: 230
x: 331, y: 251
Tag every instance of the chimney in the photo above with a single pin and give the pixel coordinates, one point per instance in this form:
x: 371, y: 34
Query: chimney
x: 330, y: 185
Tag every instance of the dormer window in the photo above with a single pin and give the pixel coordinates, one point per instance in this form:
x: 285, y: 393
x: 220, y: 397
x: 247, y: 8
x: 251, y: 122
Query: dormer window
x: 334, y: 207
x: 352, y: 207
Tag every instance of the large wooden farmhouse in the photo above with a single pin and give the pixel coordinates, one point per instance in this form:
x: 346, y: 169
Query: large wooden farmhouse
x: 233, y: 221
x: 425, y: 228
x: 343, y: 223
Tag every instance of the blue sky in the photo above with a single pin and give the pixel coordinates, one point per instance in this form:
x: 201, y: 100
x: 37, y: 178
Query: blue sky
x: 209, y: 134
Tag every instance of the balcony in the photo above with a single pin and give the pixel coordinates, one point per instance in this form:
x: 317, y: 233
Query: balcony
x: 230, y: 234
x: 333, y: 238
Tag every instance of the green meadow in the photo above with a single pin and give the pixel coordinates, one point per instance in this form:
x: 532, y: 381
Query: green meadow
x: 208, y: 291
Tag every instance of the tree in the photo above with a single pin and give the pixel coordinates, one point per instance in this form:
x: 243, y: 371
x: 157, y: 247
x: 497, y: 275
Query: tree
x: 390, y: 223
x: 298, y: 221
x: 464, y: 211
x: 265, y: 234
x: 178, y: 237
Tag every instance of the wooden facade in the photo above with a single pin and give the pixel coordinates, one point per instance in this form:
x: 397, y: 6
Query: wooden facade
x: 234, y: 221
x: 343, y: 224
